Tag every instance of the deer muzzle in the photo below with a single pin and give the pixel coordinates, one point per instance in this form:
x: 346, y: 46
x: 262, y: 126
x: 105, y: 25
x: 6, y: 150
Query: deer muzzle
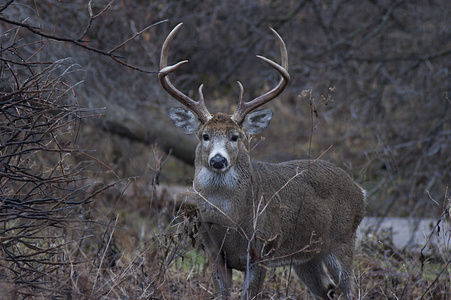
x: 218, y: 162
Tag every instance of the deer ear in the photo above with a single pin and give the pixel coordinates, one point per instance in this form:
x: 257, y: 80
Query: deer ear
x: 184, y: 120
x: 256, y: 121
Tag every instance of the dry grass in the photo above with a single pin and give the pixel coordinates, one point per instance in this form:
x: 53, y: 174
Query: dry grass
x: 131, y: 248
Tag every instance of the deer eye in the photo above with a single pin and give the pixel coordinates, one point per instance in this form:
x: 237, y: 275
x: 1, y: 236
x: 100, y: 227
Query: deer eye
x: 234, y: 138
x: 205, y: 137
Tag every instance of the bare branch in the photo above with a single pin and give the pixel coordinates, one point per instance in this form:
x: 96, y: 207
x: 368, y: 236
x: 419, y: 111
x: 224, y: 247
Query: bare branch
x: 83, y: 44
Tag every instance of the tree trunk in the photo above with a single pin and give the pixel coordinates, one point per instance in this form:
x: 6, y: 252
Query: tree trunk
x: 149, y: 129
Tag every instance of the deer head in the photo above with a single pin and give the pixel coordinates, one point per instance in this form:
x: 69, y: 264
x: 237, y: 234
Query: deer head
x: 224, y: 130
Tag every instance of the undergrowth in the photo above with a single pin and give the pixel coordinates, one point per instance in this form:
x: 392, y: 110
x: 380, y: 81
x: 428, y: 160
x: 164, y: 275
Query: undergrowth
x: 152, y: 253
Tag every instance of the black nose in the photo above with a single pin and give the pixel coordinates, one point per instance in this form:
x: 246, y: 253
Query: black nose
x: 218, y: 162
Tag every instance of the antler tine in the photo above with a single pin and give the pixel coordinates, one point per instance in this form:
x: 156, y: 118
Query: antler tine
x: 197, y: 107
x: 245, y: 107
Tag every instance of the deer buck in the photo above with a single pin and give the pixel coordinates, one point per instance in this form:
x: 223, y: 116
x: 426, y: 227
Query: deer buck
x: 256, y: 215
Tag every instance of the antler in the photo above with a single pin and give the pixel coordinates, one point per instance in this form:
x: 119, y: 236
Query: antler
x: 197, y: 107
x: 246, y: 107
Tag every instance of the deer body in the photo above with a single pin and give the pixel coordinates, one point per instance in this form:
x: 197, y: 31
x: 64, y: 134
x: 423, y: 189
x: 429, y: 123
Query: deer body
x: 254, y: 214
x: 311, y: 220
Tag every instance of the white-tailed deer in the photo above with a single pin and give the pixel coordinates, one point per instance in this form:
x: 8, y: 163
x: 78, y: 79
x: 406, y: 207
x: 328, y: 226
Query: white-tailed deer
x: 255, y: 215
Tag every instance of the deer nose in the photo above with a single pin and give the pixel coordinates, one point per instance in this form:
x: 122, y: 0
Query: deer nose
x: 218, y: 162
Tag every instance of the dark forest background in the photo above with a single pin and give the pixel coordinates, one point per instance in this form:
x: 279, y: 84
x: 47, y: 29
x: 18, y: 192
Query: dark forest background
x: 84, y: 135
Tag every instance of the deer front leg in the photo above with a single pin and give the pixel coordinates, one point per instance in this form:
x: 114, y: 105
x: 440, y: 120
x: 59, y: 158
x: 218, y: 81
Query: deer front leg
x: 223, y: 280
x: 253, y: 282
x: 221, y: 272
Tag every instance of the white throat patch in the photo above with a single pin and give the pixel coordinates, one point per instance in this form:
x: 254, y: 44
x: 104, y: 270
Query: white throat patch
x: 207, y: 178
